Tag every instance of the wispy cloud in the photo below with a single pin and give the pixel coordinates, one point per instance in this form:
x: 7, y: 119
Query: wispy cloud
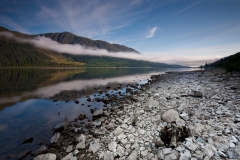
x: 189, y: 57
x: 152, y: 32
x: 188, y: 7
x: 10, y: 23
x: 91, y: 19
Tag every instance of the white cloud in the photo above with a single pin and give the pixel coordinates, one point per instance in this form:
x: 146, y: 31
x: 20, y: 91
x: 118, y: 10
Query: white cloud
x: 152, y: 32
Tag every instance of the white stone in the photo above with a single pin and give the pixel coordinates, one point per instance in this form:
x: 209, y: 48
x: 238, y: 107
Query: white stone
x: 170, y: 157
x: 97, y: 113
x: 167, y: 150
x: 108, y: 156
x: 133, y: 156
x: 160, y: 154
x: 185, y: 155
x: 81, y: 145
x: 112, y: 146
x: 120, y: 151
x: 69, y: 149
x: 48, y: 156
x: 81, y: 138
x: 55, y: 137
x: 184, y: 116
x: 232, y: 145
x: 141, y: 131
x: 75, y: 152
x: 124, y: 126
x: 135, y: 146
x: 144, y: 153
x: 140, y: 111
x: 68, y: 157
x: 121, y: 136
x: 170, y: 116
x: 94, y: 147
x: 190, y: 145
x: 124, y: 141
x: 222, y: 154
x: 118, y: 131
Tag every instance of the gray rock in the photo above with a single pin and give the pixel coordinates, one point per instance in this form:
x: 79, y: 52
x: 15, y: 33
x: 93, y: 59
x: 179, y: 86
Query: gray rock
x: 209, y: 150
x: 94, y: 147
x: 69, y: 149
x: 120, y: 151
x: 185, y: 155
x: 144, y: 153
x: 231, y: 154
x: 170, y: 116
x: 167, y: 150
x: 97, y: 123
x: 55, y: 137
x: 135, y: 146
x: 190, y: 144
x: 81, y: 145
x: 48, y: 156
x: 118, y: 131
x: 68, y: 157
x: 160, y: 154
x: 112, y: 146
x: 133, y: 156
x: 81, y: 138
x: 170, y: 157
x: 121, y: 136
x: 180, y: 122
x: 75, y: 152
x: 97, y: 113
x: 184, y: 116
x: 41, y: 150
x: 162, y: 100
x: 108, y: 156
x: 222, y: 154
x: 206, y: 158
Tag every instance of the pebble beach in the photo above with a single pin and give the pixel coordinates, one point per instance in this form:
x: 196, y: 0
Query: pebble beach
x: 178, y: 115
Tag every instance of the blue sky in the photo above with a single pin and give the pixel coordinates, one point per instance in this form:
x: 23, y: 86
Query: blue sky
x: 189, y: 32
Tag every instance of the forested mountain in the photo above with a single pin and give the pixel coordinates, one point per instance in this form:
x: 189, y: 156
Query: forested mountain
x: 230, y: 63
x: 16, y: 54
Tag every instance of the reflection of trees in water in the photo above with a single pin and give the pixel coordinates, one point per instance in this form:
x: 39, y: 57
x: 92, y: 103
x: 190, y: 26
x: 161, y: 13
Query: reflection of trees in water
x: 20, y: 80
x: 14, y: 81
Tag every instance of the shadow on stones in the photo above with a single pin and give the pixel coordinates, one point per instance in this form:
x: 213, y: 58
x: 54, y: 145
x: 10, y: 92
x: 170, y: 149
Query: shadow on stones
x: 172, y: 135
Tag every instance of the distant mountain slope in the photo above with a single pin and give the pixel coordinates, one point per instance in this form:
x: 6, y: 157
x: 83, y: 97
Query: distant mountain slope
x: 230, y: 63
x: 17, y: 54
x: 69, y: 38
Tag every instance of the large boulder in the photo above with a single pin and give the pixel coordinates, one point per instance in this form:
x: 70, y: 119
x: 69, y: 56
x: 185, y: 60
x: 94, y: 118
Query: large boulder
x: 170, y: 116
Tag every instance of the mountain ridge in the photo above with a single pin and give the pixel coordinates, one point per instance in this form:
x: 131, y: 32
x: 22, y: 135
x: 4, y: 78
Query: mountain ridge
x: 230, y: 63
x: 70, y: 38
x: 23, y: 54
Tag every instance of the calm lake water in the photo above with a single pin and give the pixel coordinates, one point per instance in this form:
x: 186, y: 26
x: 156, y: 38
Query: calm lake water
x: 33, y: 100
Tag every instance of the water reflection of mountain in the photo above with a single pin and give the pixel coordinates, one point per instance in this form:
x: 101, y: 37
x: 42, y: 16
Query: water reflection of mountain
x: 22, y: 84
x: 14, y: 81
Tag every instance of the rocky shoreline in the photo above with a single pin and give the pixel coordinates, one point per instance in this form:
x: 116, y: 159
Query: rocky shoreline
x: 178, y: 115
